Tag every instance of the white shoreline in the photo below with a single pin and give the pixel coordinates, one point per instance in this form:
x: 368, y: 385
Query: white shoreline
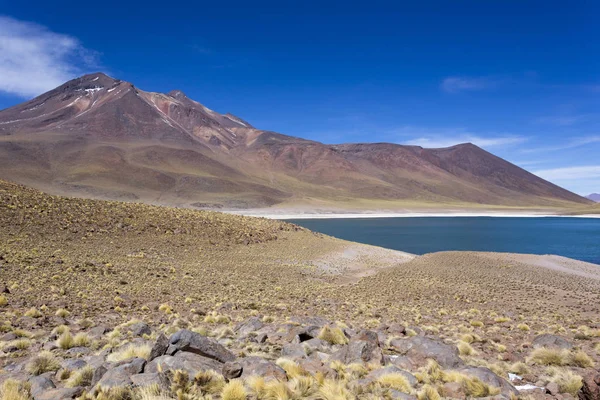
x: 284, y: 216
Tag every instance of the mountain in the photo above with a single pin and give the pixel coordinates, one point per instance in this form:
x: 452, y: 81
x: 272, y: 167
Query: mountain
x: 594, y: 197
x: 96, y: 136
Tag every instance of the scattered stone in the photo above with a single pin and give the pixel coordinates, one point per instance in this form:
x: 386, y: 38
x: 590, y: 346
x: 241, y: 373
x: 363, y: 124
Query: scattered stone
x: 193, y: 342
x: 190, y: 362
x: 552, y: 341
x: 232, y: 370
x: 120, y: 376
x: 160, y: 347
x: 418, y: 349
x: 261, y: 367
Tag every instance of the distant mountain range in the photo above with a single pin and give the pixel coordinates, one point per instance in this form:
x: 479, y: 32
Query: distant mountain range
x: 96, y: 136
x: 594, y: 197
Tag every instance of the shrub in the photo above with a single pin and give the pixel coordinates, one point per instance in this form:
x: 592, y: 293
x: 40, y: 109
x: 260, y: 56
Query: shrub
x: 33, y: 313
x: 428, y: 392
x: 12, y: 389
x: 43, y: 362
x: 567, y: 381
x: 130, y: 351
x: 62, y: 313
x: 549, y: 356
x: 523, y: 327
x: 395, y: 381
x: 333, y: 335
x: 234, y: 390
x: 465, y: 349
x: 3, y: 300
x: 65, y: 341
x: 81, y: 377
x: 581, y: 359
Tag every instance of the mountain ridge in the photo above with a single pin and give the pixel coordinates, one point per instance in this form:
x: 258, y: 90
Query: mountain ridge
x: 103, y: 137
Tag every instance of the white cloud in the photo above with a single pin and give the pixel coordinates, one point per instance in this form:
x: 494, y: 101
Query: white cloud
x: 455, y: 84
x: 570, y: 173
x: 437, y: 138
x: 574, y: 143
x: 582, y: 180
x: 34, y: 59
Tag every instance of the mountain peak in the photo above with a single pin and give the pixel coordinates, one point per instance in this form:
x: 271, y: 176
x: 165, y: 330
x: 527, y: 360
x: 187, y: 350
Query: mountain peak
x: 177, y: 94
x: 594, y: 197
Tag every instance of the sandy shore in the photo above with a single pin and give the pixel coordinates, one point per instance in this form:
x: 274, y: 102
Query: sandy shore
x: 333, y: 215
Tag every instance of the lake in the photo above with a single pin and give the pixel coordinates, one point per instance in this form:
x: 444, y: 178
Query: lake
x: 577, y: 238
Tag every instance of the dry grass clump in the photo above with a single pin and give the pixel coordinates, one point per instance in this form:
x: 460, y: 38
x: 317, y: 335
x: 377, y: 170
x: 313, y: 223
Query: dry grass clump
x: 395, y: 381
x: 234, y: 390
x: 65, y: 340
x: 81, y: 377
x: 567, y: 380
x: 428, y: 392
x: 21, y: 344
x: 3, y: 300
x: 549, y: 356
x: 41, y: 363
x: 130, y: 351
x: 465, y: 349
x: 472, y: 386
x: 333, y: 335
x: 581, y: 359
x: 33, y: 313
x: 523, y: 327
x: 62, y: 313
x: 12, y: 389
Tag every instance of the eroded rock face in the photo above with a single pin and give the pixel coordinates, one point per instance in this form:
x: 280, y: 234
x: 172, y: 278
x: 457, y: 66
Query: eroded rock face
x: 551, y: 341
x: 261, y: 367
x: 193, y: 342
x: 487, y: 376
x: 418, y: 349
x: 190, y: 362
x: 591, y: 386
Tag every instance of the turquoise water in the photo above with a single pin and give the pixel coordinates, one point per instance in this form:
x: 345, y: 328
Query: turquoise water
x: 577, y: 238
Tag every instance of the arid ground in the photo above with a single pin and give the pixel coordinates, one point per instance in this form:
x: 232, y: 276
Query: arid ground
x: 118, y: 300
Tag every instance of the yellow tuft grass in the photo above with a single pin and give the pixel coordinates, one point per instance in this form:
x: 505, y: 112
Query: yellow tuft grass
x: 567, y: 381
x: 333, y: 335
x: 234, y: 390
x: 395, y: 381
x: 43, y: 362
x: 81, y: 377
x: 549, y: 356
x: 130, y: 351
x: 12, y: 389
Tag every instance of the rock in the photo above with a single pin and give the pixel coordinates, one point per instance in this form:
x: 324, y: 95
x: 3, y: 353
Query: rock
x: 7, y: 337
x: 359, y: 351
x: 245, y: 328
x: 73, y: 363
x: 293, y: 351
x: 49, y: 346
x: 59, y: 394
x: 396, y: 394
x: 261, y: 367
x: 232, y: 370
x: 98, y: 374
x: 418, y: 349
x: 160, y: 347
x: 121, y: 375
x: 487, y: 376
x: 190, y: 362
x: 314, y: 365
x: 193, y: 342
x: 98, y: 331
x: 79, y: 351
x: 552, y: 388
x: 41, y: 384
x: 139, y: 329
x: 376, y: 374
x: 402, y: 362
x: 553, y: 341
x: 591, y: 386
x: 454, y: 390
x: 150, y: 378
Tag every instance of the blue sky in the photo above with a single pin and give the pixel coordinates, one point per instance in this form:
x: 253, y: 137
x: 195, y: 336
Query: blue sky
x: 518, y: 78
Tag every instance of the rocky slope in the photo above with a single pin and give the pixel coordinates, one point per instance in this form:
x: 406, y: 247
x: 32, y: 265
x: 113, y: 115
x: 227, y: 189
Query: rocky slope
x: 96, y: 136
x: 110, y: 300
